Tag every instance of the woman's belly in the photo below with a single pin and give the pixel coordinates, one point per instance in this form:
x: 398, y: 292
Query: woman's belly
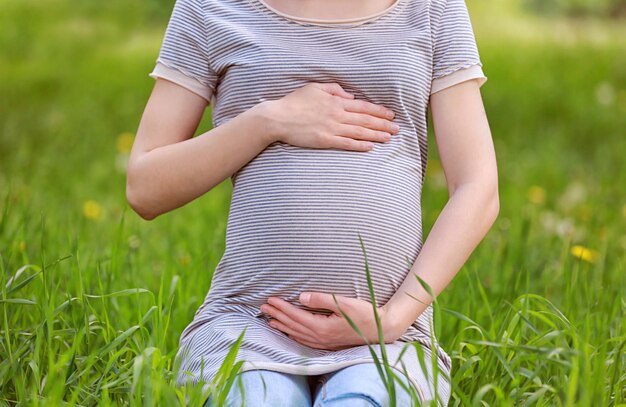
x: 297, y: 218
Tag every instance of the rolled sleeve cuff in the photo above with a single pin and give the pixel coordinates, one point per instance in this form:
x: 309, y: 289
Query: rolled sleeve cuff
x: 174, y: 75
x: 458, y: 76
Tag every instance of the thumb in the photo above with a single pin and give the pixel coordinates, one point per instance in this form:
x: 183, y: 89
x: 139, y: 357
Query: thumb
x: 334, y: 89
x: 324, y: 301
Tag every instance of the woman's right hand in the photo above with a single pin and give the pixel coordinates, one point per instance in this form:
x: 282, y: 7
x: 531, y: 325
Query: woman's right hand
x: 323, y: 115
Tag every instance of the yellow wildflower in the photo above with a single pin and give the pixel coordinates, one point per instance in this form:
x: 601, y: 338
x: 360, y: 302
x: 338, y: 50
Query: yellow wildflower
x: 184, y: 259
x: 92, y: 209
x: 536, y: 194
x: 584, y: 253
x: 125, y: 142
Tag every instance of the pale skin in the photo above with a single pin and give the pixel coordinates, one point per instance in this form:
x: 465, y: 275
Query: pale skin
x: 168, y: 168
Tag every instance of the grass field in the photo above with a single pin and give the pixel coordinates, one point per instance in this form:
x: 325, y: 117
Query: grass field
x: 93, y: 298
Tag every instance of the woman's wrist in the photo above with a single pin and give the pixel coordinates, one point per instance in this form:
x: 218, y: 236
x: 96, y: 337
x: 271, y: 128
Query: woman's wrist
x: 393, y: 326
x: 264, y: 116
x: 401, y: 313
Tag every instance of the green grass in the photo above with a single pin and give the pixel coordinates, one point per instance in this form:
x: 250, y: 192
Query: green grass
x: 93, y: 299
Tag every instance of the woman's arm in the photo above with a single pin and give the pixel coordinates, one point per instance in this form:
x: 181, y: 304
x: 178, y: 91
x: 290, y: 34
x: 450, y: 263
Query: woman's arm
x: 468, y: 159
x: 168, y: 167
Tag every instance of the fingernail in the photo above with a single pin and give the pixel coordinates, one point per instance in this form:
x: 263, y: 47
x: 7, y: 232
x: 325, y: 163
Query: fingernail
x: 390, y: 113
x: 306, y: 297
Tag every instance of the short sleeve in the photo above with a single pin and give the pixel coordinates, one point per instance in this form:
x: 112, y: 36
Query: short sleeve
x: 184, y: 55
x: 455, y: 53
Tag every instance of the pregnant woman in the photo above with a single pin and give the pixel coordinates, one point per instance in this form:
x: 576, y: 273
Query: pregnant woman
x: 319, y: 112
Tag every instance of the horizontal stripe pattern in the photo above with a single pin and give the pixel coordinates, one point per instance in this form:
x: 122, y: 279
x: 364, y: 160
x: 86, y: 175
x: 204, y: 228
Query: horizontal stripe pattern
x: 297, y: 214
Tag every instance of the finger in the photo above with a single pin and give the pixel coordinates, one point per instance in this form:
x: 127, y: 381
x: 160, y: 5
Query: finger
x: 348, y: 143
x: 300, y: 316
x: 363, y: 106
x: 326, y: 301
x: 309, y: 343
x: 288, y: 330
x: 371, y: 122
x: 287, y: 320
x: 362, y: 133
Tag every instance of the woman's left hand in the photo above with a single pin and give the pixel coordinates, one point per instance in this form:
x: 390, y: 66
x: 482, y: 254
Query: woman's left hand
x: 330, y: 332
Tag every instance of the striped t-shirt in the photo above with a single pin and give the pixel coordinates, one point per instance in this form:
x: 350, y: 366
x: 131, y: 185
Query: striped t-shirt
x: 297, y: 213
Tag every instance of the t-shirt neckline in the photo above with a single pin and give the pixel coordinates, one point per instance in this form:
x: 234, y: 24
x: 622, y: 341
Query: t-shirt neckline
x: 342, y: 22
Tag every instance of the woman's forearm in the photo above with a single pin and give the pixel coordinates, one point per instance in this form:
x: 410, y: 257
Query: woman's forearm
x: 463, y: 222
x: 170, y: 176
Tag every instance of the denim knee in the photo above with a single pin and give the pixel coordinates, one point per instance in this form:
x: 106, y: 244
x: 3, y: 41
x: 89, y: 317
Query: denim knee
x: 360, y: 385
x: 267, y: 388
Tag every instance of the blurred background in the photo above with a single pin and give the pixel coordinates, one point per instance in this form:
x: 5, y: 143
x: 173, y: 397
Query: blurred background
x: 93, y: 298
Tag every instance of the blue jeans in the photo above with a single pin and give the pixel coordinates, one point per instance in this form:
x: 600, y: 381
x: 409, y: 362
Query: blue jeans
x: 353, y: 386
